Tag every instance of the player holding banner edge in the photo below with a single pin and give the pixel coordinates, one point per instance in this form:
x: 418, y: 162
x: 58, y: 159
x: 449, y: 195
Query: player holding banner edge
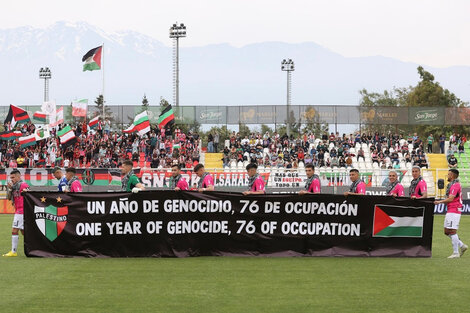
x: 15, y: 188
x: 312, y: 183
x: 454, y: 211
x: 255, y: 181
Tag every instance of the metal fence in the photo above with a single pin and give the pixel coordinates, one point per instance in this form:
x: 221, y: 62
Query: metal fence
x: 277, y: 114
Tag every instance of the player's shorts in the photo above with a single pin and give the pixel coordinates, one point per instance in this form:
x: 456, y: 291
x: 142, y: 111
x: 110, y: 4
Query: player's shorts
x: 452, y: 221
x: 18, y: 221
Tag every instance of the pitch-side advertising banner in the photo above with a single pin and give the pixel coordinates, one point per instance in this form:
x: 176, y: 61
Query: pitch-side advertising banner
x: 184, y: 224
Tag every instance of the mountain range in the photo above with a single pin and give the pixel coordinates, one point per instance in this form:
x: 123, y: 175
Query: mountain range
x: 136, y: 64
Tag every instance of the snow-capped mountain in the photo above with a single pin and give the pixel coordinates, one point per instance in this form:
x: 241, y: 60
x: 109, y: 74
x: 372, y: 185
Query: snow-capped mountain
x: 136, y: 64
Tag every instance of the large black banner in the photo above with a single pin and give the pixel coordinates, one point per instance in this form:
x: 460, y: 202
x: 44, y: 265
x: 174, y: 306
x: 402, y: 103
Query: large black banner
x: 183, y: 224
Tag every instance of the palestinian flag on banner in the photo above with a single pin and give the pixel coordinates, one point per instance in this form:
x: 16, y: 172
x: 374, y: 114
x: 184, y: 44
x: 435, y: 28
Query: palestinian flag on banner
x: 94, y: 122
x: 167, y: 117
x: 10, y: 135
x: 39, y: 116
x: 79, y: 107
x: 92, y: 59
x: 141, y: 124
x: 115, y: 177
x: 398, y: 221
x: 66, y: 134
x: 27, y: 141
x: 16, y: 115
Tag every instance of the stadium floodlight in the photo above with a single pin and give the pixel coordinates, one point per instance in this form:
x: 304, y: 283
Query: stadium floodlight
x: 45, y: 73
x: 288, y: 66
x: 176, y: 32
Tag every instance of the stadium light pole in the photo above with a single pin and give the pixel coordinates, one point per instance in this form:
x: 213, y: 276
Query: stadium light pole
x: 45, y: 73
x: 176, y: 32
x: 288, y: 66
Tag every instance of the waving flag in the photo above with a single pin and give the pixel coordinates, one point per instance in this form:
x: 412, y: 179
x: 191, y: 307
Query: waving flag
x: 10, y: 135
x: 27, y: 141
x: 94, y: 122
x: 79, y: 107
x: 39, y: 116
x: 167, y: 117
x: 92, y: 59
x: 66, y: 134
x: 58, y: 118
x: 141, y: 124
x: 16, y: 115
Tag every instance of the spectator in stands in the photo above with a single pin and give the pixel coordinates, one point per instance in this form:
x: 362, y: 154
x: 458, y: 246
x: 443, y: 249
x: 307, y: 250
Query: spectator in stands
x: 360, y: 154
x: 442, y: 141
x: 430, y: 142
x: 452, y: 161
x: 461, y: 148
x: 349, y: 161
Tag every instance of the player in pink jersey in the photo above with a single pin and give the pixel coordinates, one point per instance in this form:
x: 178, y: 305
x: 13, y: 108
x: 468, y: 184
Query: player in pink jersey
x: 255, y: 182
x: 418, y: 187
x: 312, y: 184
x: 358, y: 187
x: 206, y: 181
x: 454, y: 211
x: 177, y: 182
x: 15, y: 188
x: 394, y: 187
x: 73, y: 183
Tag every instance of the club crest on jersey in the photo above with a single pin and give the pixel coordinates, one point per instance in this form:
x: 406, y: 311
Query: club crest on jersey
x: 51, y: 220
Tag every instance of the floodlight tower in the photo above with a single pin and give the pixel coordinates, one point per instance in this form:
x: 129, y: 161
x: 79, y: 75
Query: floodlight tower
x: 288, y: 66
x: 176, y: 32
x: 45, y: 73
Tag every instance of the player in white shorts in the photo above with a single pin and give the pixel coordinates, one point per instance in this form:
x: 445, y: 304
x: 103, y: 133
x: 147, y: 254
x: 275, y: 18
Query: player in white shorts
x: 454, y: 211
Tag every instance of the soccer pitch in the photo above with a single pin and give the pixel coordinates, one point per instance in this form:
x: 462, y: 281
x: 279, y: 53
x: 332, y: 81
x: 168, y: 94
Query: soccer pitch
x: 228, y: 284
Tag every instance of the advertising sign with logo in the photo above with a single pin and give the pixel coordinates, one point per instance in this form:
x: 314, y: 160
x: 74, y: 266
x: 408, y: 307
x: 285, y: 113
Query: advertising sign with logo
x: 384, y: 115
x: 426, y: 116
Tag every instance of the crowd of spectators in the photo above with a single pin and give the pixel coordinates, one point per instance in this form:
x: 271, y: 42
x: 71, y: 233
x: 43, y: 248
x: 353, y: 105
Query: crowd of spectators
x: 102, y: 148
x: 329, y: 150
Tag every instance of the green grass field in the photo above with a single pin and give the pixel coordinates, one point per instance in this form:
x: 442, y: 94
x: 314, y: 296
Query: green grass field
x: 225, y: 284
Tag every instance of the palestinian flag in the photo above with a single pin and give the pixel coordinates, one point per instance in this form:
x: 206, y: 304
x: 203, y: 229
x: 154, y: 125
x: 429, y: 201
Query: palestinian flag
x: 16, y: 115
x: 398, y: 221
x: 92, y: 59
x: 66, y: 134
x: 94, y: 122
x: 141, y: 124
x: 115, y: 177
x: 10, y: 135
x: 79, y: 107
x: 27, y: 141
x: 167, y: 117
x: 39, y: 116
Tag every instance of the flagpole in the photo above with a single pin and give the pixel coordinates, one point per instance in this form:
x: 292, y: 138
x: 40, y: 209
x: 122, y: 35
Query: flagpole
x: 102, y: 67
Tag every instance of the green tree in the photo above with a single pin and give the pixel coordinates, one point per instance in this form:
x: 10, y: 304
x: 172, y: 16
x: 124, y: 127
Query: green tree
x: 108, y: 114
x: 427, y: 93
x: 243, y: 130
x: 145, y: 104
x: 266, y: 128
